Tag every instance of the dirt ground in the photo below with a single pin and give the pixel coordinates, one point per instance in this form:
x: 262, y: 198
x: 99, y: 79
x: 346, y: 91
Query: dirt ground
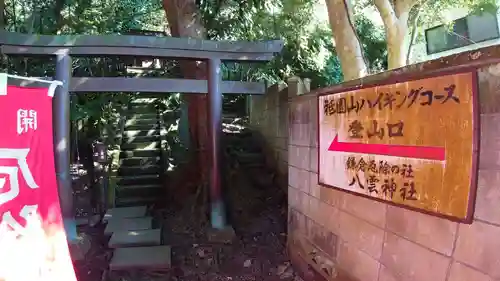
x: 258, y: 216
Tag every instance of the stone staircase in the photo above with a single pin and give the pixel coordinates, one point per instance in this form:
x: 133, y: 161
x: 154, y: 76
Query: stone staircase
x: 140, y: 172
x: 135, y: 236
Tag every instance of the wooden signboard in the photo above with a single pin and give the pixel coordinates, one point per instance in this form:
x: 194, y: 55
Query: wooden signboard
x: 412, y: 144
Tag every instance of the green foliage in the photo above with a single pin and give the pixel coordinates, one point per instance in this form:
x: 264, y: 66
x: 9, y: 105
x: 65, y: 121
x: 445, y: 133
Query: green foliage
x: 373, y: 43
x: 94, y: 114
x: 307, y: 52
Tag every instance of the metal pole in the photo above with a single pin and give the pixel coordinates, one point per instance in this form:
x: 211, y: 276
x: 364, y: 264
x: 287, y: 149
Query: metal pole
x: 62, y: 143
x: 218, y: 215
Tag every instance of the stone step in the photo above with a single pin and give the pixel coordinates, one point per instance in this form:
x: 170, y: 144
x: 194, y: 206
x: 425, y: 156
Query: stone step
x: 140, y: 146
x: 142, y: 121
x: 143, y: 109
x: 141, y: 139
x: 132, y: 114
x: 143, y: 100
x: 140, y: 153
x: 157, y: 257
x: 138, y: 180
x: 128, y: 212
x: 127, y: 134
x: 138, y: 191
x: 139, y: 170
x: 138, y: 200
x: 143, y: 127
x: 139, y: 161
x: 124, y: 224
x: 135, y: 238
x: 144, y: 103
x: 248, y: 157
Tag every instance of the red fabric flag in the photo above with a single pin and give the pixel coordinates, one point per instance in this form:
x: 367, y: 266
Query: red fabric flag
x: 32, y: 239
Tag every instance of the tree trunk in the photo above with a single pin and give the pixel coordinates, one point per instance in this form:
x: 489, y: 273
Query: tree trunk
x: 2, y: 17
x: 395, y: 18
x: 397, y: 43
x: 347, y: 42
x: 413, y: 36
x: 183, y: 19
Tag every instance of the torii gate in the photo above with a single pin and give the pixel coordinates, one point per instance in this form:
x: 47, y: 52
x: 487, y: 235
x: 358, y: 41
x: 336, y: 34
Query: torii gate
x: 213, y: 52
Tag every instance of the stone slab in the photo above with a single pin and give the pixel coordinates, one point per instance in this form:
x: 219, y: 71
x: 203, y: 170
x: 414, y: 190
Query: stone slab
x: 125, y: 212
x: 135, y: 238
x: 158, y: 257
x: 128, y: 224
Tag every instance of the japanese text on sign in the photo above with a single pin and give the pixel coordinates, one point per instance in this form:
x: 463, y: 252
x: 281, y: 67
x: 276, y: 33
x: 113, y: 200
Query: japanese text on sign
x: 408, y: 143
x: 390, y: 100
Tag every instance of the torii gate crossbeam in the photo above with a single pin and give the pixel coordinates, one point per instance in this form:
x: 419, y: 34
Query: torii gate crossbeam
x: 213, y: 52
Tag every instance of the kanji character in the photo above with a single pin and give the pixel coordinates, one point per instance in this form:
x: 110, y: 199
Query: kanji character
x: 330, y: 107
x: 350, y: 163
x: 429, y: 95
x: 450, y: 91
x: 354, y: 179
x: 384, y: 168
x: 372, y: 181
x: 341, y: 106
x: 26, y: 120
x: 372, y: 166
x: 413, y: 95
x: 395, y: 169
x: 376, y: 102
x: 407, y: 171
x: 389, y: 187
x: 356, y: 106
x: 408, y: 191
x: 389, y: 99
x: 362, y: 165
x: 396, y: 129
x: 326, y: 106
x: 355, y: 129
x: 20, y: 155
x: 376, y: 130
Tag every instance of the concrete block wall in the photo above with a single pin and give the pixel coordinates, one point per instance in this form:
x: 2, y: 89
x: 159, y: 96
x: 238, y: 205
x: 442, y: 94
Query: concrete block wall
x: 334, y: 235
x: 269, y: 115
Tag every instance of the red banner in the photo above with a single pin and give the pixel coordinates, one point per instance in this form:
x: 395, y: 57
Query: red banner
x: 32, y: 238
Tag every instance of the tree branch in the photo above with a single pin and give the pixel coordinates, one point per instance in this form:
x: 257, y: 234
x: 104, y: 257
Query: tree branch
x: 351, y: 23
x: 386, y: 11
x: 413, y: 34
x: 404, y: 6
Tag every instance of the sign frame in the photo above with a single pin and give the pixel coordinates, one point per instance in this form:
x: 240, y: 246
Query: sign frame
x: 396, y: 78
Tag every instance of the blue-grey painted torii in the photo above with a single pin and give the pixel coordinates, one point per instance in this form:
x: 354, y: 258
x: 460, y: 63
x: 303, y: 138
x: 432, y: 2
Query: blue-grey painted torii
x: 214, y: 52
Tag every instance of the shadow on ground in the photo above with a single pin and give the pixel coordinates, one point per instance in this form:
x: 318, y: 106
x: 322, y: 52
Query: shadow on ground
x: 257, y: 212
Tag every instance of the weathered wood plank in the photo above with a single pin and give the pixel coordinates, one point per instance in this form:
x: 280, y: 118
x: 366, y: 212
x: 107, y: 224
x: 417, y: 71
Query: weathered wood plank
x: 18, y: 43
x: 160, y: 85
